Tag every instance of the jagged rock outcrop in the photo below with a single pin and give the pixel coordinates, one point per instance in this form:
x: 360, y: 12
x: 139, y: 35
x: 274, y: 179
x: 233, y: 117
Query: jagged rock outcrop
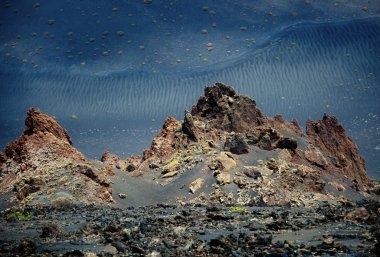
x: 330, y: 137
x: 43, y: 136
x: 222, y: 108
x: 226, y: 150
x: 225, y: 131
x: 163, y: 145
x: 43, y: 166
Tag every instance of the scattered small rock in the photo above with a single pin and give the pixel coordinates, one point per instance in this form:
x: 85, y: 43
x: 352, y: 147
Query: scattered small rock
x: 122, y: 196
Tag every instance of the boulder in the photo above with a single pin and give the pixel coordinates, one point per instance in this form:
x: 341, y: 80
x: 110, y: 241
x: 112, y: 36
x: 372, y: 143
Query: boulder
x: 267, y: 139
x: 225, y: 162
x: 287, y: 143
x: 236, y: 144
x: 92, y: 173
x: 240, y: 182
x: 196, y: 185
x: 252, y: 172
x: 50, y: 229
x: 223, y: 178
x: 133, y: 163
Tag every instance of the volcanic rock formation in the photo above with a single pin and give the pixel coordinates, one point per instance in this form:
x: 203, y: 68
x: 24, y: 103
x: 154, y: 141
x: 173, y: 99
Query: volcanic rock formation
x: 224, y: 151
x: 329, y: 136
x: 43, y: 166
x: 290, y: 166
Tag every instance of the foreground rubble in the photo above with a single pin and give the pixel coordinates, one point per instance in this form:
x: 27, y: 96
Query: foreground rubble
x: 194, y: 230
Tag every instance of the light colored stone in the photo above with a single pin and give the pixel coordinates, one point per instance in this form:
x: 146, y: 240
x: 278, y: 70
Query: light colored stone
x: 122, y: 196
x: 224, y: 178
x: 225, y: 162
x: 155, y: 254
x: 196, y: 185
x: 285, y: 155
x: 170, y: 174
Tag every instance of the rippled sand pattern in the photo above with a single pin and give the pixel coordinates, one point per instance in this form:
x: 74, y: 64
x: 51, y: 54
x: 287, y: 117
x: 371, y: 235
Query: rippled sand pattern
x: 301, y: 71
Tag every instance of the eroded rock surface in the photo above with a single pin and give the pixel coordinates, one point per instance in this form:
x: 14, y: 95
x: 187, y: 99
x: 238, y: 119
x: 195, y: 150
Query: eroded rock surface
x: 330, y: 137
x: 43, y: 167
x: 222, y: 108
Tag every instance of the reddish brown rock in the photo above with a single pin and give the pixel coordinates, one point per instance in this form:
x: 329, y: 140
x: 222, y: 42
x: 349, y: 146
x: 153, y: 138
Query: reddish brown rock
x: 330, y: 137
x: 36, y: 122
x: 359, y: 214
x: 43, y: 136
x: 43, y: 160
x: 133, y: 163
x: 50, y: 229
x: 92, y: 173
x: 279, y: 123
x: 113, y: 161
x: 222, y: 108
x: 163, y: 144
x: 315, y: 156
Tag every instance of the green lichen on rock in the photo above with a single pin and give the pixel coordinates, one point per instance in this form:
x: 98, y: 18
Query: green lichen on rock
x: 18, y: 216
x: 237, y: 209
x: 173, y: 162
x: 170, y: 174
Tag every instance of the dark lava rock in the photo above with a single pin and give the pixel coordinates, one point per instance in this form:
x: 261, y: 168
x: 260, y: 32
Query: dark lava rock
x: 222, y: 108
x: 287, y: 143
x: 27, y: 247
x: 119, y: 246
x: 189, y: 128
x: 3, y: 158
x: 267, y: 138
x: 236, y: 144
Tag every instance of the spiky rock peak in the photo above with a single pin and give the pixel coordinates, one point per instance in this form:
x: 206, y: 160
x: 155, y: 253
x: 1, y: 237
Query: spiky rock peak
x: 222, y: 108
x: 43, y: 157
x: 222, y: 119
x: 36, y: 121
x: 42, y: 134
x: 342, y: 153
